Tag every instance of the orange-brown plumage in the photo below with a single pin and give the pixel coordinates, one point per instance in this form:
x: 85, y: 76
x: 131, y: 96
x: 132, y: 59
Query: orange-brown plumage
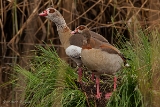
x: 104, y: 59
x: 86, y: 47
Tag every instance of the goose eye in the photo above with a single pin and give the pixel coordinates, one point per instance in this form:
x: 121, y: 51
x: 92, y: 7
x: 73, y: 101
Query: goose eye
x: 51, y: 10
x: 81, y: 27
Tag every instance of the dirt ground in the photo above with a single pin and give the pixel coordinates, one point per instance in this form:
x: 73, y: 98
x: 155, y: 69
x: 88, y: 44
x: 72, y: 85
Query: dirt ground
x: 89, y: 88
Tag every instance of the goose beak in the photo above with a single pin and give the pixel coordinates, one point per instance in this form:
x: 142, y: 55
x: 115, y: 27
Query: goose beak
x: 74, y: 32
x: 44, y: 13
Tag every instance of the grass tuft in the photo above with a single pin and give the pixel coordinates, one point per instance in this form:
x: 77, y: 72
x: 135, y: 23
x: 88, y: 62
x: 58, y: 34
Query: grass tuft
x: 50, y: 81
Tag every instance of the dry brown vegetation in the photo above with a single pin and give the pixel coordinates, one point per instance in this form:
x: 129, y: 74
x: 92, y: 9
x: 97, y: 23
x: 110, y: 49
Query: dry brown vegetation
x: 21, y: 29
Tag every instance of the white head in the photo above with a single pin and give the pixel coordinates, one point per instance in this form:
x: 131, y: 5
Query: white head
x: 55, y: 16
x: 80, y: 28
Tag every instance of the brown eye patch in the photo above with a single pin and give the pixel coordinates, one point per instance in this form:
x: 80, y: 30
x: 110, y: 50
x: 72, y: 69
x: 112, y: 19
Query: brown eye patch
x: 51, y: 10
x: 81, y: 27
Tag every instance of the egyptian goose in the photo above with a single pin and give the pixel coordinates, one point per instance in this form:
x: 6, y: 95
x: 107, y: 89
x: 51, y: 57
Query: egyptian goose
x: 72, y: 43
x: 106, y: 59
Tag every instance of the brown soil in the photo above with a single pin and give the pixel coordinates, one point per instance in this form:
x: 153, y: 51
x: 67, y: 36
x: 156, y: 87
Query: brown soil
x: 89, y: 88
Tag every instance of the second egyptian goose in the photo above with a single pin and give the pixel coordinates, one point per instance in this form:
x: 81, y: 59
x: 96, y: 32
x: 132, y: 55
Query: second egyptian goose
x: 72, y: 43
x: 106, y: 59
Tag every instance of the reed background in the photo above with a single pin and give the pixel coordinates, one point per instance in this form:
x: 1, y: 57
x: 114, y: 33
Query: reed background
x: 21, y: 29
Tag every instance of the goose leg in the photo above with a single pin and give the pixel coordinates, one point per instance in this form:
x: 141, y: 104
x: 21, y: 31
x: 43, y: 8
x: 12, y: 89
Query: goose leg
x: 92, y: 76
x: 115, y: 83
x: 80, y: 75
x: 108, y: 95
x: 98, y: 87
